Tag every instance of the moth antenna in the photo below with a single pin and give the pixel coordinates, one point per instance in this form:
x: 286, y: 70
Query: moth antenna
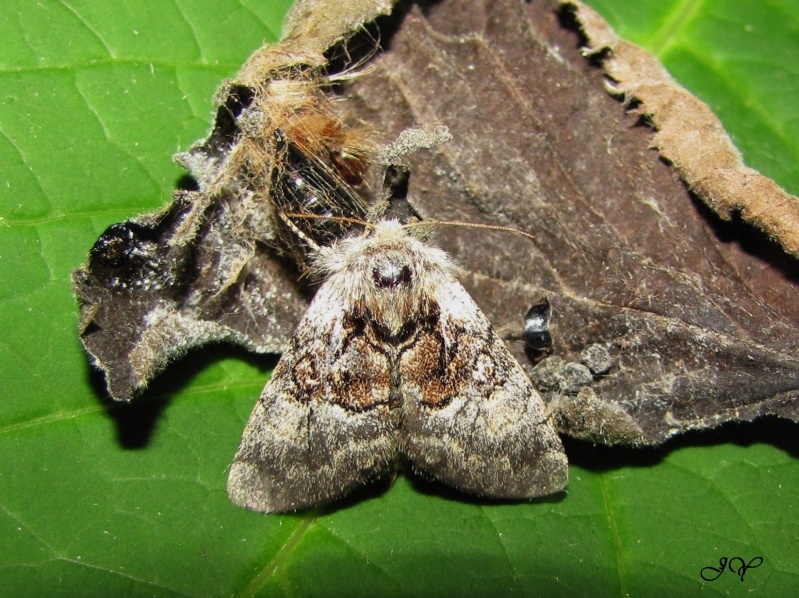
x: 295, y: 229
x: 498, y: 227
x: 342, y: 219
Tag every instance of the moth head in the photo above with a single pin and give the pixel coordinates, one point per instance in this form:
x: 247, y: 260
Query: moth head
x: 391, y: 274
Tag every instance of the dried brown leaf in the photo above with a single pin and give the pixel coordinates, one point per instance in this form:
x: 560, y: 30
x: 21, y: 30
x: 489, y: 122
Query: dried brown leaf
x: 699, y: 327
x: 691, y: 137
x: 626, y: 256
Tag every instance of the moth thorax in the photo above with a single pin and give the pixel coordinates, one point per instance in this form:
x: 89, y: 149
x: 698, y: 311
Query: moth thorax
x: 394, y: 295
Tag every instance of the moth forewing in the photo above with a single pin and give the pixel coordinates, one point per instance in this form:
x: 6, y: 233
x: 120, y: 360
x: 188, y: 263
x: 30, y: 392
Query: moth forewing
x: 323, y: 424
x: 471, y: 417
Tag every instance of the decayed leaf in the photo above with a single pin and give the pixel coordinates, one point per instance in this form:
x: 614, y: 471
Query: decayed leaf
x: 207, y: 268
x: 626, y: 258
x: 691, y: 137
x: 634, y: 270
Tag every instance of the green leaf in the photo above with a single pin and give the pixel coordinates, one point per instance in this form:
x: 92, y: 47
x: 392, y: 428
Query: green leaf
x: 739, y: 57
x: 104, y: 500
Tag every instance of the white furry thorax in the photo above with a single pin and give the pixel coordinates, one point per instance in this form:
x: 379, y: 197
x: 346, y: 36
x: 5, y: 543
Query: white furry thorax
x: 386, y: 274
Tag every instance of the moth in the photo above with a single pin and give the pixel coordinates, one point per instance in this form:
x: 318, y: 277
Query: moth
x: 394, y: 357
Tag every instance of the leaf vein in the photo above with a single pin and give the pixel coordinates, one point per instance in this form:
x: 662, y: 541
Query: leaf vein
x: 614, y: 535
x: 90, y: 27
x: 193, y: 30
x: 274, y: 565
x: 679, y: 17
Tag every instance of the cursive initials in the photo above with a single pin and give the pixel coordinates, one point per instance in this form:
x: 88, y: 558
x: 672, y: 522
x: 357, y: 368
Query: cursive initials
x: 735, y: 565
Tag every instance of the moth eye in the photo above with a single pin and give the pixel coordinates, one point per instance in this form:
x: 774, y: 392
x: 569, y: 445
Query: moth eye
x: 391, y: 276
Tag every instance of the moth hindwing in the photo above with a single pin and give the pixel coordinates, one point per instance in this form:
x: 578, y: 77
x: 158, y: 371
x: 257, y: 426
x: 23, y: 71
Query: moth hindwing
x: 394, y: 356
